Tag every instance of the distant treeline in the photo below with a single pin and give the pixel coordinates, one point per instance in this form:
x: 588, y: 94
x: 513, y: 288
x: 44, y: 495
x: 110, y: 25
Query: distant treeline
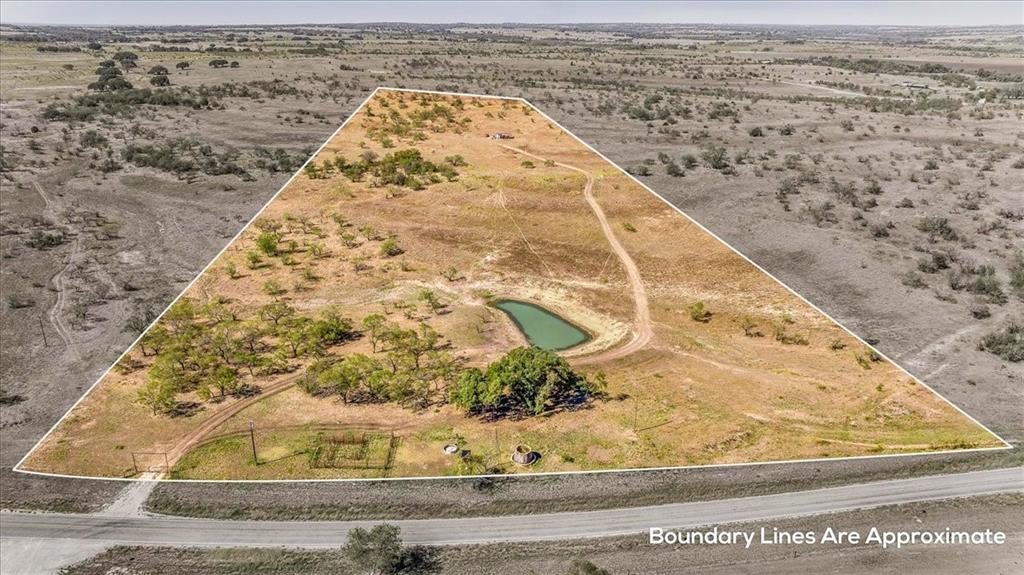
x: 165, y: 48
x: 875, y: 66
x: 58, y: 48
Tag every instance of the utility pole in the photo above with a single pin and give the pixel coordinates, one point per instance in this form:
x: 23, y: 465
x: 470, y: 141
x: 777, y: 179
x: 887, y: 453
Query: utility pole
x: 636, y: 414
x: 252, y: 439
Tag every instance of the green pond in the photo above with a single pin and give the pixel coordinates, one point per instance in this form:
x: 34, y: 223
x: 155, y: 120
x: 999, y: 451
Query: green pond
x: 541, y: 327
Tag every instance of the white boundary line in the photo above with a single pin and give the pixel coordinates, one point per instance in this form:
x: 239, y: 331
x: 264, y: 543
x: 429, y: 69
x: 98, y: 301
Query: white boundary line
x: 1006, y: 444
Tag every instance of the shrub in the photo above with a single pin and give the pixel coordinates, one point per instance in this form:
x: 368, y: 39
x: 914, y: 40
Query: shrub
x: 267, y: 242
x: 750, y: 328
x: 254, y: 259
x: 938, y: 261
x: 937, y: 227
x: 987, y: 284
x: 914, y: 280
x: 716, y: 158
x: 390, y: 248
x: 583, y: 567
x: 822, y: 214
x: 272, y: 288
x: 980, y: 312
x: 374, y: 550
x: 980, y: 280
x: 42, y: 240
x: 699, y: 313
x: 1017, y: 274
x: 789, y: 339
x: 879, y: 230
x: 92, y: 139
x: 1007, y: 343
x: 845, y: 191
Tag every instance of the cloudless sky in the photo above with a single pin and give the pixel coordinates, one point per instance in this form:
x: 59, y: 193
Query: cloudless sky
x: 283, y: 12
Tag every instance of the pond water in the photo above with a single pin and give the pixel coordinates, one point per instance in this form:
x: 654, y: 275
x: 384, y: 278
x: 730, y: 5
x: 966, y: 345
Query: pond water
x: 541, y: 327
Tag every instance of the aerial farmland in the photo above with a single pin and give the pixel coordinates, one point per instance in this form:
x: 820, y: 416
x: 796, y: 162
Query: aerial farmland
x: 456, y: 285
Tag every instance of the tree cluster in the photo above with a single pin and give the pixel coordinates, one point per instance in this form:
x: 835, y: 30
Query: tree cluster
x: 405, y: 168
x: 408, y: 367
x: 222, y: 63
x: 184, y: 156
x: 205, y: 348
x: 109, y: 78
x: 430, y: 116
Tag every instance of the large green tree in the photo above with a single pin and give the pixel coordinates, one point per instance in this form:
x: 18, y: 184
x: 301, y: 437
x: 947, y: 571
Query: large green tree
x: 526, y: 379
x: 157, y: 395
x: 375, y: 325
x: 222, y: 378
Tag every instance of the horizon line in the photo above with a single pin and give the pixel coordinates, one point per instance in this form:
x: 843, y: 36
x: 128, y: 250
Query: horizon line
x: 501, y: 24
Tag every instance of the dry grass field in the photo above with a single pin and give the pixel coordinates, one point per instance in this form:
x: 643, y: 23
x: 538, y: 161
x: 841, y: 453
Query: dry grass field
x: 703, y: 360
x: 132, y: 236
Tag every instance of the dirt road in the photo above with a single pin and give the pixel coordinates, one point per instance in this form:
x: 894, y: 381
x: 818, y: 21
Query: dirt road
x: 825, y: 88
x: 73, y: 529
x: 642, y: 330
x: 56, y: 313
x: 207, y: 427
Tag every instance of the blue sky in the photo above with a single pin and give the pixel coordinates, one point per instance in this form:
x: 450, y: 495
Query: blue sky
x: 199, y: 13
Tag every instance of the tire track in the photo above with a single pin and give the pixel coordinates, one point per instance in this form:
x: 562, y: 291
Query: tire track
x: 56, y: 313
x: 204, y: 429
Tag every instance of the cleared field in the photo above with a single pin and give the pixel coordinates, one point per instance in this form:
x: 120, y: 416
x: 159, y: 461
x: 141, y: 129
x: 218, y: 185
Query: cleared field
x: 414, y: 215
